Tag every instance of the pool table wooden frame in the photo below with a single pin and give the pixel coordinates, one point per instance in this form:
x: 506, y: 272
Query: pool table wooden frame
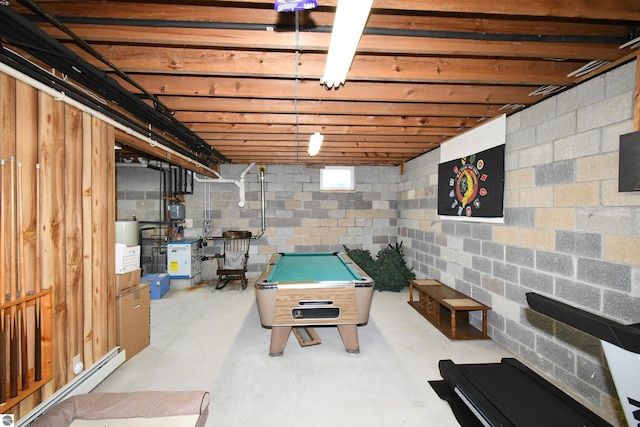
x: 343, y: 303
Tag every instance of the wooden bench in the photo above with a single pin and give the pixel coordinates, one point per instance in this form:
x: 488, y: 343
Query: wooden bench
x: 447, y: 309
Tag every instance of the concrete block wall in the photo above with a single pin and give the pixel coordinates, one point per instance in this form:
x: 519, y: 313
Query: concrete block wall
x: 139, y: 196
x: 568, y: 233
x: 298, y: 216
x: 138, y: 192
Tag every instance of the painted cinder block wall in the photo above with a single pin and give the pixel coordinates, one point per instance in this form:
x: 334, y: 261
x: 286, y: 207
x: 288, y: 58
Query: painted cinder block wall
x: 568, y: 233
x: 298, y: 217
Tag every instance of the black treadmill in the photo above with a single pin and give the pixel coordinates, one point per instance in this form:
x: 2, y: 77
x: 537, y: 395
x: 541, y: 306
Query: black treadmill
x: 510, y: 394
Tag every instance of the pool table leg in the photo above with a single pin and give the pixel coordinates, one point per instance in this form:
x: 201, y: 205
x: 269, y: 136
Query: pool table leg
x: 279, y: 338
x: 349, y: 334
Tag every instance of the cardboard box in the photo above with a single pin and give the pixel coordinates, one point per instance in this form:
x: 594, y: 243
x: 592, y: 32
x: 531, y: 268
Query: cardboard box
x: 158, y: 283
x: 127, y: 258
x: 128, y: 281
x: 133, y: 319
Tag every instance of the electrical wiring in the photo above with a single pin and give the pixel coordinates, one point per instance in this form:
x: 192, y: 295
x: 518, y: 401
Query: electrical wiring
x: 20, y: 32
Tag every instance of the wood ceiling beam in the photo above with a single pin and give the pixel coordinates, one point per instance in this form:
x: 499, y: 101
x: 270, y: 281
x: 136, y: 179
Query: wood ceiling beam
x: 353, y: 155
x: 332, y: 107
x: 408, y: 19
x: 587, y: 9
x: 308, y: 41
x: 276, y: 145
x: 326, y: 130
x: 236, y: 105
x: 240, y: 139
x: 192, y: 117
x: 308, y: 89
x: 311, y: 66
x: 315, y: 162
x: 329, y: 150
x: 448, y: 65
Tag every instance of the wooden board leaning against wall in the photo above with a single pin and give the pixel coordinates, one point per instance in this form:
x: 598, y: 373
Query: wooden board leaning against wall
x: 57, y: 283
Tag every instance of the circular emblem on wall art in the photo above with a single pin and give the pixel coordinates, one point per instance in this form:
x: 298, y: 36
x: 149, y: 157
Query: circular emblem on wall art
x: 466, y: 185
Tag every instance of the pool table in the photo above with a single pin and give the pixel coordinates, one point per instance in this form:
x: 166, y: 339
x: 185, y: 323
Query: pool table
x: 307, y: 289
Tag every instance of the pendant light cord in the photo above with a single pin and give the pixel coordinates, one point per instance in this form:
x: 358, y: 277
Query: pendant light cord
x: 295, y: 99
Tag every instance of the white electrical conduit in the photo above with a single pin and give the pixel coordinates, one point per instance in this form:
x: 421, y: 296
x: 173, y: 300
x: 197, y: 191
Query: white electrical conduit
x: 60, y: 96
x: 238, y: 182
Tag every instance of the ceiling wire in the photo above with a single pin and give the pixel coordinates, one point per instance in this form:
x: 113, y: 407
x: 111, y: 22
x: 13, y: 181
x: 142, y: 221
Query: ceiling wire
x: 160, y: 107
x: 20, y: 32
x: 295, y: 99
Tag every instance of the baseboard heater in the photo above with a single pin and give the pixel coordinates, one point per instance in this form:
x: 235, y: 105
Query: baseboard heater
x: 83, y: 383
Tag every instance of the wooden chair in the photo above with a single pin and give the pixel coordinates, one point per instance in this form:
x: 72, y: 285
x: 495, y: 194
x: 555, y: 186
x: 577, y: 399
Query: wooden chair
x: 232, y: 262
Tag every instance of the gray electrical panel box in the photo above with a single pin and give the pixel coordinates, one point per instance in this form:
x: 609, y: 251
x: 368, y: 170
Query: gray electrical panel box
x: 176, y: 211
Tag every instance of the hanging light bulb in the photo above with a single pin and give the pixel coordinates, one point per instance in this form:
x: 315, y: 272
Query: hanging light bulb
x: 314, y: 143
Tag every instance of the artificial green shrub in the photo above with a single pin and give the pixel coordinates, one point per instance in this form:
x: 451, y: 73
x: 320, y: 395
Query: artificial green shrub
x: 392, y: 269
x: 389, y: 270
x: 364, y: 259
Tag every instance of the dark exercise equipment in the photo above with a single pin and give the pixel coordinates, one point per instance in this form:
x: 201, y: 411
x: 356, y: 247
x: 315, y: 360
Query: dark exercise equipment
x: 621, y: 345
x: 510, y: 394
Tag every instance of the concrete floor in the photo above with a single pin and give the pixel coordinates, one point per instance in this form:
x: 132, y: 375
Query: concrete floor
x: 211, y: 339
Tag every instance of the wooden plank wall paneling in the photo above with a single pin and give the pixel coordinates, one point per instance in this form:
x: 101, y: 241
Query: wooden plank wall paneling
x: 99, y: 218
x: 109, y: 159
x: 51, y: 158
x: 87, y: 224
x: 636, y: 104
x: 76, y: 233
x: 26, y: 135
x: 73, y: 234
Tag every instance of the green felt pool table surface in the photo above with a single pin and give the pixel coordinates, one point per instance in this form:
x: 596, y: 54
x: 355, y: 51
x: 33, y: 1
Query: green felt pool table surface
x: 313, y: 267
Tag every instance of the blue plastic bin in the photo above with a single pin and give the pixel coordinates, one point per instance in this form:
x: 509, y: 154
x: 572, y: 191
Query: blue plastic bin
x: 158, y: 284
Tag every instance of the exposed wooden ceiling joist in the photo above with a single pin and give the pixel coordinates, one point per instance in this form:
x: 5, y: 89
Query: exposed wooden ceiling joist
x: 237, y: 74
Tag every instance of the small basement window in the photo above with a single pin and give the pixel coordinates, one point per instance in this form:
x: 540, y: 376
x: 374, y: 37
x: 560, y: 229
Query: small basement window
x: 337, y: 178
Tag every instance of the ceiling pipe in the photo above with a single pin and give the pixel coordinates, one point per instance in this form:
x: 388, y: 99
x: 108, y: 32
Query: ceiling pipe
x: 240, y: 183
x: 60, y: 96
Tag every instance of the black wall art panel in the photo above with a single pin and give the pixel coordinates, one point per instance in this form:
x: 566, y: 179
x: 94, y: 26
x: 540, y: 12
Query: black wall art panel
x: 473, y: 186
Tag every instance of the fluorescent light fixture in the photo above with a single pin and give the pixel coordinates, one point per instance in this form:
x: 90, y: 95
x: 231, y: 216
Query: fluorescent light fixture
x: 314, y: 143
x: 351, y: 17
